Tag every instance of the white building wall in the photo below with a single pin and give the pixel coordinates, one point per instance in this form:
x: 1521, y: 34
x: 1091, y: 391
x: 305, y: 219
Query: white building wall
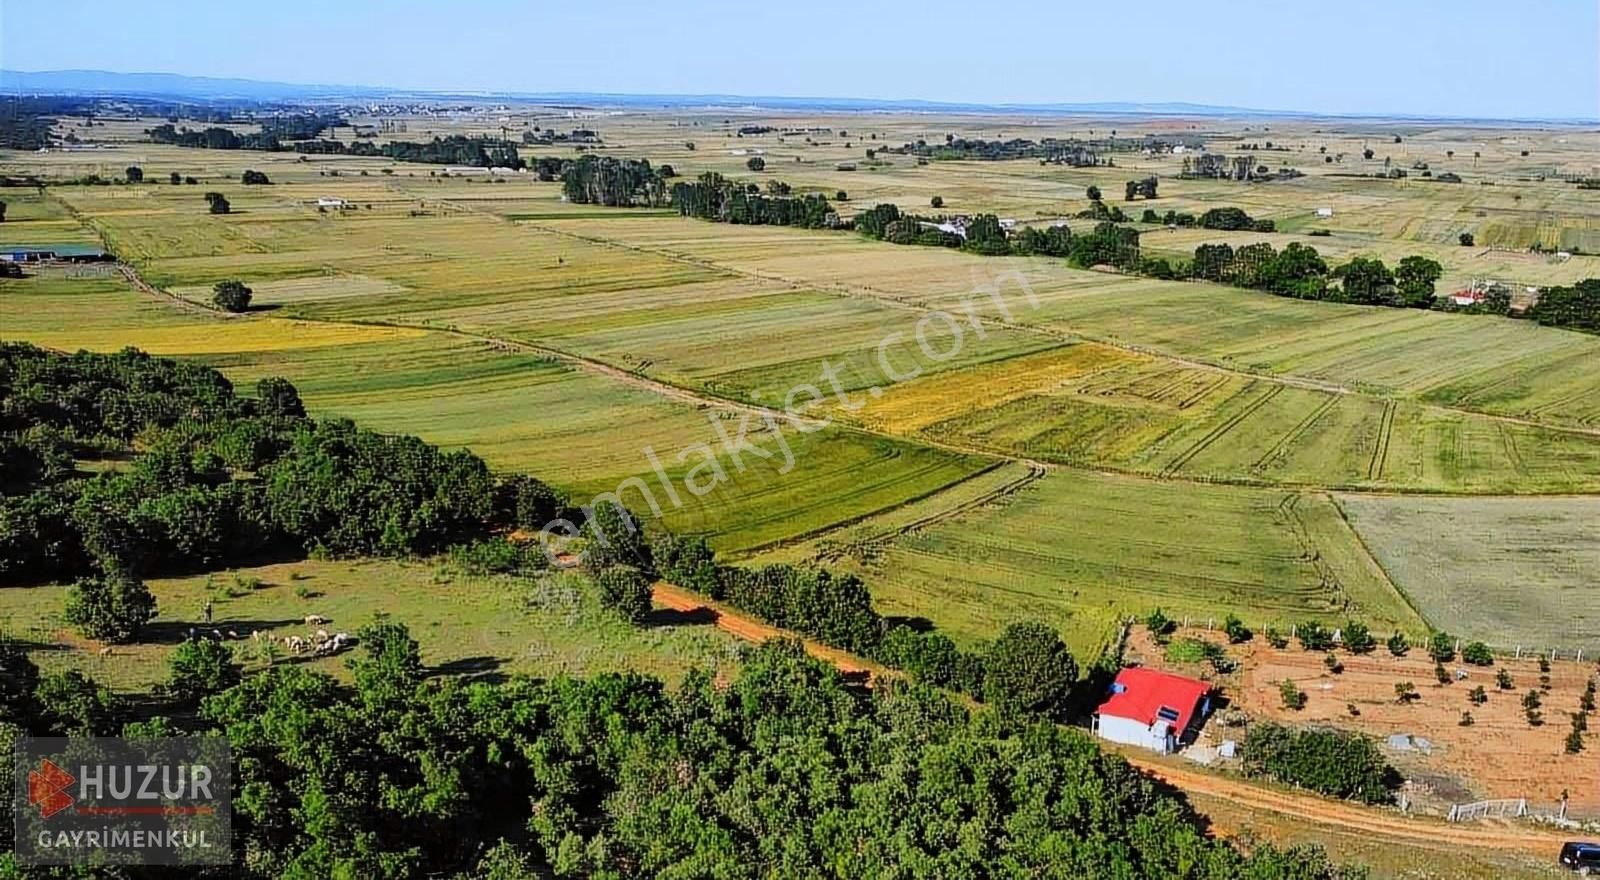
x: 1132, y: 733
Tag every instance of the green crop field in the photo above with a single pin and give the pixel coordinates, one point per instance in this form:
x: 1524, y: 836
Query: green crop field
x: 1508, y: 571
x: 1082, y: 550
x: 547, y: 625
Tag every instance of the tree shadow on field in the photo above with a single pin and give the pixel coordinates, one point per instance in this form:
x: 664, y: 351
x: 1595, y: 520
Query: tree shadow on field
x: 915, y: 624
x: 674, y: 617
x: 263, y: 307
x: 481, y: 668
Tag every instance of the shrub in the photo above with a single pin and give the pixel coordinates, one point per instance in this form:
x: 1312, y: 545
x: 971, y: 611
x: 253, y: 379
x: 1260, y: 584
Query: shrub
x: 1478, y: 654
x: 1405, y: 692
x: 251, y: 177
x: 497, y: 556
x: 1442, y: 647
x: 937, y: 201
x: 1478, y: 696
x: 1159, y: 624
x: 1276, y: 639
x: 1574, y: 743
x: 755, y: 163
x: 1336, y: 763
x: 626, y: 590
x: 1466, y: 719
x: 1502, y: 680
x: 1440, y: 673
x: 1293, y: 697
x: 1466, y: 239
x: 1314, y: 636
x: 1358, y: 639
x: 1398, y: 645
x: 1332, y: 662
x: 1236, y: 631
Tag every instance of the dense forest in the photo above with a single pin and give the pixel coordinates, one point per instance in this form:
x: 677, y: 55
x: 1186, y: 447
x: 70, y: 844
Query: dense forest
x: 786, y: 771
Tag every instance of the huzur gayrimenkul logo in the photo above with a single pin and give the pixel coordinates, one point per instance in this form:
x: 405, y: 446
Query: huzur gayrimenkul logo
x: 156, y: 801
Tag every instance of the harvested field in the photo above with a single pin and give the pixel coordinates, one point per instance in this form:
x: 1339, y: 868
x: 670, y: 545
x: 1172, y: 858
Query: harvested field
x: 1507, y: 571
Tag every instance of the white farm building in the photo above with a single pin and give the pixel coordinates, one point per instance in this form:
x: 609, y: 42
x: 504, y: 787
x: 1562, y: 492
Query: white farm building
x: 1152, y: 709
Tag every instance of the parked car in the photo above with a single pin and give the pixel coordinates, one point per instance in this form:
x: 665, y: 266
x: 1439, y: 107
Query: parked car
x: 1581, y: 857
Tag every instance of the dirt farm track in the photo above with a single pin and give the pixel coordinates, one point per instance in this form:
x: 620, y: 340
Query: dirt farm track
x: 1385, y: 824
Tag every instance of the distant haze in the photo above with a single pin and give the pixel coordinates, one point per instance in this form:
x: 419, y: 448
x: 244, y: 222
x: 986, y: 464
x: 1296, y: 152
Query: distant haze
x: 1464, y: 58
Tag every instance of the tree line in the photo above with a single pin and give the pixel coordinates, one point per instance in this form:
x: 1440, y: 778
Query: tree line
x: 215, y: 478
x: 718, y: 199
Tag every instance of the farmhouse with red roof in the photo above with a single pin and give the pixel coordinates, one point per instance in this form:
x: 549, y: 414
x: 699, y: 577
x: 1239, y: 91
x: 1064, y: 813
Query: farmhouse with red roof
x: 1152, y: 709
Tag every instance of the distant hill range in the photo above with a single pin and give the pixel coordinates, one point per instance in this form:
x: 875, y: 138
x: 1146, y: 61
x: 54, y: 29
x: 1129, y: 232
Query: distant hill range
x: 205, y: 89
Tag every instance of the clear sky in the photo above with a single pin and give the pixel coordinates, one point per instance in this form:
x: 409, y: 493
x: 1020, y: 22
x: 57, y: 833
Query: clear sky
x: 1485, y: 58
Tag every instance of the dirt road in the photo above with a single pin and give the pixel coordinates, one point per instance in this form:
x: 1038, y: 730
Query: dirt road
x: 1378, y: 824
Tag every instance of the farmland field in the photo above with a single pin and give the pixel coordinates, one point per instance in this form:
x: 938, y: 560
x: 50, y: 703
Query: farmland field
x: 565, y: 339
x: 1081, y: 550
x: 1507, y: 571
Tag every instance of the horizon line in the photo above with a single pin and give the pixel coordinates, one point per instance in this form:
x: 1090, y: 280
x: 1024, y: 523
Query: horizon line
x: 820, y: 102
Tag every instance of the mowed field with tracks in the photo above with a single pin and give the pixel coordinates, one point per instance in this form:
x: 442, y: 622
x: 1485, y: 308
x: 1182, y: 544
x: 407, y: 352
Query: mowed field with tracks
x: 1074, y: 445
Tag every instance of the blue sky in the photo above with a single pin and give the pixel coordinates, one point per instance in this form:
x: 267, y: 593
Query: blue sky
x: 1485, y: 58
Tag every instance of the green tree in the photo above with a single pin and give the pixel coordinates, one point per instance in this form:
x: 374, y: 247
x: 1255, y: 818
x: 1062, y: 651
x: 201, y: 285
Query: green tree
x: 134, y: 174
x: 218, y: 203
x: 1314, y: 636
x: 231, y: 296
x: 936, y: 201
x: 390, y: 666
x: 1092, y: 192
x: 275, y: 396
x: 1398, y: 646
x: 251, y: 177
x: 1466, y: 239
x: 72, y: 704
x: 1357, y: 638
x: 626, y: 590
x: 1235, y: 629
x: 1414, y: 279
x: 1029, y: 670
x: 199, y: 668
x: 111, y: 607
x: 175, y: 178
x: 755, y: 163
x: 1442, y: 647
x: 1477, y: 653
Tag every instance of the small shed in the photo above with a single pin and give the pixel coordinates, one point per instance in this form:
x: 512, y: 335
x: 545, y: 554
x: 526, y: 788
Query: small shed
x: 1324, y: 212
x: 332, y: 202
x: 1152, y: 709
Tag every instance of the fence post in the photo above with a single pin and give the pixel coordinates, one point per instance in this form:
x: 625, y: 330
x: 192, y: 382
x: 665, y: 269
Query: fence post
x: 1519, y: 652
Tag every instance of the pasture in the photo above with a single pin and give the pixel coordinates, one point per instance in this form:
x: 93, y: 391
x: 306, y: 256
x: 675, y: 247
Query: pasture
x: 547, y: 625
x: 1506, y: 571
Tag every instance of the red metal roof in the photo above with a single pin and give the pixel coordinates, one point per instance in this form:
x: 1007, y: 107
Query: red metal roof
x: 1141, y: 693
